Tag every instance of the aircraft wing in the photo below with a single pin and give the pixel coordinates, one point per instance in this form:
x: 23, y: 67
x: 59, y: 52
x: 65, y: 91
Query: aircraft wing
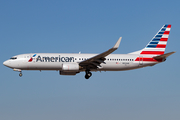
x: 94, y: 62
x: 163, y: 56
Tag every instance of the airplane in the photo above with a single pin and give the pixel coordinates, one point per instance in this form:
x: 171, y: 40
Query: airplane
x: 71, y: 64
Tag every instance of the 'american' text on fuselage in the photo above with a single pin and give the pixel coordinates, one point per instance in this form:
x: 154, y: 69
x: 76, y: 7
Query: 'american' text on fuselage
x: 54, y: 59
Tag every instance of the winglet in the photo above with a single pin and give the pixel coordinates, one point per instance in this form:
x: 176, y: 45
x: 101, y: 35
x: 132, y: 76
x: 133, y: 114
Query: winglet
x: 117, y: 43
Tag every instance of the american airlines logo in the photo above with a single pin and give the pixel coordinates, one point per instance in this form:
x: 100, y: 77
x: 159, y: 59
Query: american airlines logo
x: 54, y: 59
x: 31, y: 59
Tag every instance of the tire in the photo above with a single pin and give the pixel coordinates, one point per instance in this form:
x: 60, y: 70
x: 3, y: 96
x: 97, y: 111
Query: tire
x: 20, y: 74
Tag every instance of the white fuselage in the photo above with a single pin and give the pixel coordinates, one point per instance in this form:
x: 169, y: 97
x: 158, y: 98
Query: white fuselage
x: 54, y: 61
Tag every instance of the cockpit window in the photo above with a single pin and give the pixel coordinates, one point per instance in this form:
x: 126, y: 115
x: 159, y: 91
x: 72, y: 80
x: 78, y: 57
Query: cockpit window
x: 13, y: 58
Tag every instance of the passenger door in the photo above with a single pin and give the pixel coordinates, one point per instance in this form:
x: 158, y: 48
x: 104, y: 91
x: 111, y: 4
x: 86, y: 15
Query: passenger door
x: 140, y: 60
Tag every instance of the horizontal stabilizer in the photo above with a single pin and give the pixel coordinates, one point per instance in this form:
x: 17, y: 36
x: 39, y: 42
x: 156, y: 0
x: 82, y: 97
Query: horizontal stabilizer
x: 163, y: 56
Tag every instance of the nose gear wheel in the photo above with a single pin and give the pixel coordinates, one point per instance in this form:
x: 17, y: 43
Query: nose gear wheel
x: 20, y: 74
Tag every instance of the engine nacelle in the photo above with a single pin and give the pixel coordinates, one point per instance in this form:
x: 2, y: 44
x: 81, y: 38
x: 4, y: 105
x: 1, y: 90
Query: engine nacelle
x: 70, y: 67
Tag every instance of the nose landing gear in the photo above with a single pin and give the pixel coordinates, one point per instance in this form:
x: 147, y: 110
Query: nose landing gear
x: 18, y: 70
x: 88, y: 74
x: 20, y: 74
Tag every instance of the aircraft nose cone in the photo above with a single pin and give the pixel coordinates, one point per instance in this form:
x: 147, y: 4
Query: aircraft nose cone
x: 6, y: 63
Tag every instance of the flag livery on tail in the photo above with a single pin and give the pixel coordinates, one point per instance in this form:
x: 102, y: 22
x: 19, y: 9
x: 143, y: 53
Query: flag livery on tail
x: 158, y: 44
x: 156, y: 47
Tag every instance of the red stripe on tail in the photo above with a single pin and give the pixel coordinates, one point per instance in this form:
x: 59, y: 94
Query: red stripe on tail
x: 166, y: 32
x: 160, y: 46
x: 153, y: 52
x: 163, y: 39
x: 169, y: 26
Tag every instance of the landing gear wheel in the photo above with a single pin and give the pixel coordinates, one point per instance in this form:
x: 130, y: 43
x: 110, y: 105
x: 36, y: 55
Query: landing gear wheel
x: 88, y: 74
x: 20, y: 74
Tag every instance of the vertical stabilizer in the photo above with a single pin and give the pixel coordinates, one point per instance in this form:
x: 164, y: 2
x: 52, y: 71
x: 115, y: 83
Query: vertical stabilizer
x: 158, y: 43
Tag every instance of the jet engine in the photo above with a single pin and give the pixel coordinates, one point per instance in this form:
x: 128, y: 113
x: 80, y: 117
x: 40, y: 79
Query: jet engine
x: 69, y: 69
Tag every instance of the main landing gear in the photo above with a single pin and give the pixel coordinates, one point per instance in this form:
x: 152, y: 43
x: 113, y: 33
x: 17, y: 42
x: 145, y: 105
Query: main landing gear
x: 88, y: 74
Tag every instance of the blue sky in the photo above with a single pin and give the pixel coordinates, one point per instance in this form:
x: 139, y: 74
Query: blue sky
x: 90, y: 27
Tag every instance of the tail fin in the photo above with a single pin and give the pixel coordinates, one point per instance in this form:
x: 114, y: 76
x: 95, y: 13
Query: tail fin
x: 158, y: 43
